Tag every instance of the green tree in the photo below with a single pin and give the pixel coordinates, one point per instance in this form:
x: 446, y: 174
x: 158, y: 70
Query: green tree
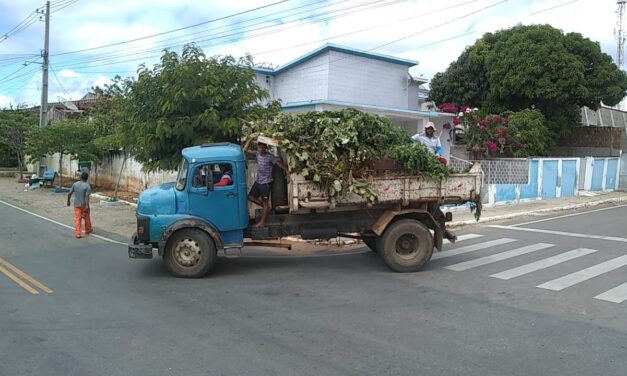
x: 73, y: 137
x: 528, y: 129
x: 111, y: 124
x: 14, y: 128
x: 189, y: 99
x: 533, y: 66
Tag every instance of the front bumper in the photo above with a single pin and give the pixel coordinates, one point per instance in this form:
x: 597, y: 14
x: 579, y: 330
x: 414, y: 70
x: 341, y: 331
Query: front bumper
x: 137, y: 250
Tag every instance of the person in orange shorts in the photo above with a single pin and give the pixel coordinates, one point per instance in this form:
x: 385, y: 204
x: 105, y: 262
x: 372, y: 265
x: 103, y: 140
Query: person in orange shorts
x: 82, y: 191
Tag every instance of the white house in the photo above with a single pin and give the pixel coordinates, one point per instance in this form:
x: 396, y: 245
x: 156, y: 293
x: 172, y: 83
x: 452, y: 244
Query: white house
x: 333, y: 77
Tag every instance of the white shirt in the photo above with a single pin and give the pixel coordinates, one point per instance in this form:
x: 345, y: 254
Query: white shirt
x: 432, y: 143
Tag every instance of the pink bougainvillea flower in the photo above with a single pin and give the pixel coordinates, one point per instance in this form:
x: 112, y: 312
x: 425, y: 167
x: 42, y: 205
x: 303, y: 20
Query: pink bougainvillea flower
x: 456, y: 121
x: 500, y: 131
x: 491, y: 146
x: 448, y: 107
x: 483, y: 123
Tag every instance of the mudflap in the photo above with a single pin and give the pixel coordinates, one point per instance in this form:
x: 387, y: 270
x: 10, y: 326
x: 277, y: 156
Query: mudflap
x: 438, y: 238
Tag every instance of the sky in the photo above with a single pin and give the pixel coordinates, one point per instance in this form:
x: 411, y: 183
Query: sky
x: 92, y: 41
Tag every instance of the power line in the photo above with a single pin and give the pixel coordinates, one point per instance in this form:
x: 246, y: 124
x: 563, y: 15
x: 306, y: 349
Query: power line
x: 115, y: 55
x: 54, y: 73
x: 60, y: 7
x: 368, y: 28
x: 172, y: 31
x: 26, y: 22
x: 141, y: 58
x: 553, y: 7
x: 442, y: 24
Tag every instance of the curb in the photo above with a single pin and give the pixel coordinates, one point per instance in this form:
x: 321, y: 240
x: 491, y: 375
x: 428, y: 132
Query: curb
x: 538, y: 212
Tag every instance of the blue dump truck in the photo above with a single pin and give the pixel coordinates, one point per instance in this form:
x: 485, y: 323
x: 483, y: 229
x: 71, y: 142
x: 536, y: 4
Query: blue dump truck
x: 192, y: 221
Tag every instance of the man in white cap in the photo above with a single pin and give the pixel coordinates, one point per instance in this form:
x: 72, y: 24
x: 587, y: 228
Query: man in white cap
x: 429, y: 140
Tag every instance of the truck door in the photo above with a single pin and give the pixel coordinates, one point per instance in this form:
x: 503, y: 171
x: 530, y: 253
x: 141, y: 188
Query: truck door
x: 221, y: 205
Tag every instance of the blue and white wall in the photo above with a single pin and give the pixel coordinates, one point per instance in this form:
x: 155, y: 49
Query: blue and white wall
x: 557, y: 178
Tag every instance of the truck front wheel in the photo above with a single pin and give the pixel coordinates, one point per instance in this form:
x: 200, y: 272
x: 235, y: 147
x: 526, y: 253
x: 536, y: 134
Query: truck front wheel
x: 406, y: 245
x: 190, y: 253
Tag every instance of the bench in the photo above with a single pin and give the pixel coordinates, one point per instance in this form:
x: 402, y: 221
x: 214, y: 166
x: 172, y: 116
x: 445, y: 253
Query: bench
x: 48, y: 177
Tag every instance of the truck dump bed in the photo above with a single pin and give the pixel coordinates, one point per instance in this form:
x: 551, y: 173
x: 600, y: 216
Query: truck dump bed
x: 406, y: 191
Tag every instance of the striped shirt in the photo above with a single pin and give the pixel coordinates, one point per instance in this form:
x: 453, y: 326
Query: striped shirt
x: 264, y: 167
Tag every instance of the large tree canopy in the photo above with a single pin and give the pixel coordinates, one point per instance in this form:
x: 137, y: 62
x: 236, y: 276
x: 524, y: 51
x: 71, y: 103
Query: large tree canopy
x: 189, y: 99
x: 533, y: 66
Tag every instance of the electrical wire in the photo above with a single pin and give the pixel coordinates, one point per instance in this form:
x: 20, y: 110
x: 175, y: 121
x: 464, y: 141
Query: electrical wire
x: 172, y: 31
x: 25, y: 23
x: 64, y: 6
x: 113, y: 56
x: 54, y: 73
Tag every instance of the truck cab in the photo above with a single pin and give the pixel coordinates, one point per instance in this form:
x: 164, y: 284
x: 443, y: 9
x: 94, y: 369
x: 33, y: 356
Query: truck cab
x: 195, y: 215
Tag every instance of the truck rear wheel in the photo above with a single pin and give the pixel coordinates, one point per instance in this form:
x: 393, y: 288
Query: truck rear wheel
x: 190, y: 253
x: 406, y: 245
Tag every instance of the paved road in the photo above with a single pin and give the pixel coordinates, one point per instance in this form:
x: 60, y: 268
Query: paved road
x: 104, y: 314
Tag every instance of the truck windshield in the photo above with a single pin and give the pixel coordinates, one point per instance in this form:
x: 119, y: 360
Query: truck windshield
x: 182, y: 175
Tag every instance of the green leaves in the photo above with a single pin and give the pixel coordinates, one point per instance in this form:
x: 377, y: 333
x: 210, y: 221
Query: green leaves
x: 335, y: 149
x: 533, y: 66
x: 190, y: 99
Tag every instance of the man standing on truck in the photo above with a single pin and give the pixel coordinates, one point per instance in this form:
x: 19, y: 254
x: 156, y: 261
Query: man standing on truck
x: 429, y: 139
x: 260, y: 191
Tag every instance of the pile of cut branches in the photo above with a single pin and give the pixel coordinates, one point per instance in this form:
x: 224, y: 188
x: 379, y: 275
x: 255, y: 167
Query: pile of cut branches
x: 336, y: 149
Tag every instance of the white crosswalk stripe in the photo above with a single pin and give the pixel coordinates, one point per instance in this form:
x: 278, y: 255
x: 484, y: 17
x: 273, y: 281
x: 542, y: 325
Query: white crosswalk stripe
x: 584, y: 274
x: 471, y: 248
x: 616, y: 295
x: 543, y: 264
x: 463, y: 237
x: 499, y: 257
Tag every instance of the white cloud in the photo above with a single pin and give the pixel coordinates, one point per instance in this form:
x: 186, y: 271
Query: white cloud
x: 6, y: 102
x: 89, y: 24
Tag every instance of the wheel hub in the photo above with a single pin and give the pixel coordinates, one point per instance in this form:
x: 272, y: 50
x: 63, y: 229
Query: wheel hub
x: 187, y: 253
x: 407, y: 245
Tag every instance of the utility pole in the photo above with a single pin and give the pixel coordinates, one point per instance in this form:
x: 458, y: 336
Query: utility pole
x: 619, y: 33
x: 43, y: 110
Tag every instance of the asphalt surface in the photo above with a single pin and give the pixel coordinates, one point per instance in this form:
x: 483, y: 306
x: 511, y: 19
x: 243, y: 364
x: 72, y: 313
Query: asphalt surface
x: 317, y: 315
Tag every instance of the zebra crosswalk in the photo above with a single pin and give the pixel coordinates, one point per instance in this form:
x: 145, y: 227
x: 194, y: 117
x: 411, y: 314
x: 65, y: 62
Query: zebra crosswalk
x: 569, y: 278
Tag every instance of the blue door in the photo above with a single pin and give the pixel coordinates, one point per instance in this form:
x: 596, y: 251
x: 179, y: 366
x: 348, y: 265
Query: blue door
x: 569, y: 178
x: 530, y: 190
x: 220, y: 206
x: 610, y: 178
x: 597, y: 174
x: 549, y: 179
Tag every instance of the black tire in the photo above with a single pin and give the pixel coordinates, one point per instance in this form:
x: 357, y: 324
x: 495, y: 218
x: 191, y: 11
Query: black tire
x: 371, y: 242
x: 406, y: 245
x: 190, y: 253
